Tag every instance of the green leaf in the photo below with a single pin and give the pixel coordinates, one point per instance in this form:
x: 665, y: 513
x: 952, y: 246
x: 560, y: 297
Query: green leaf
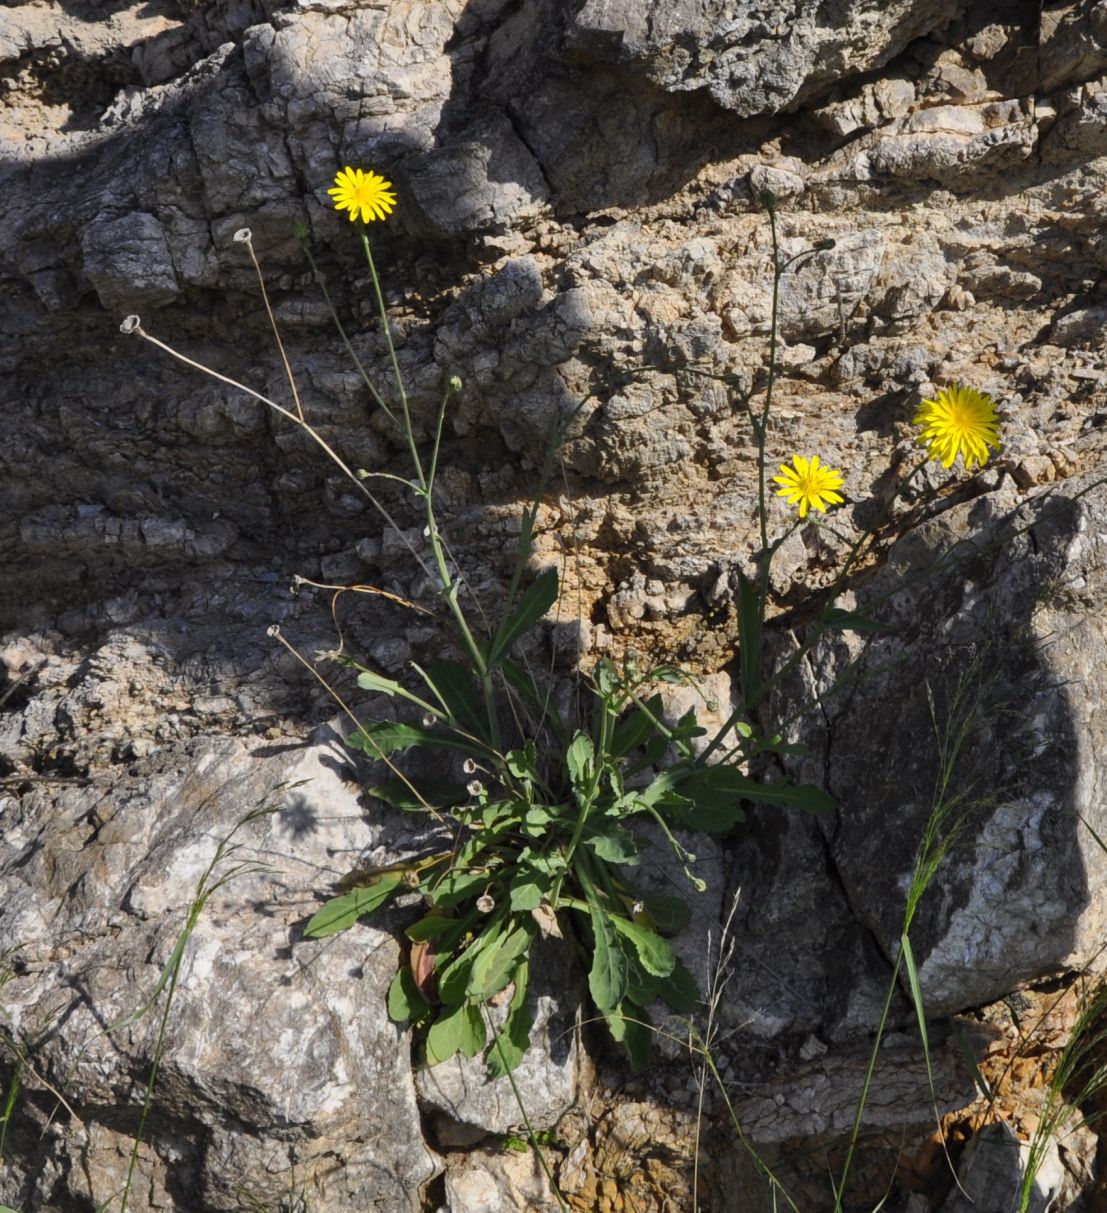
x: 679, y: 990
x: 580, y: 759
x: 850, y: 621
x: 749, y: 639
x: 607, y: 979
x: 634, y: 729
x: 342, y: 912
x: 615, y: 845
x: 633, y: 1036
x: 455, y: 976
x: 433, y: 926
x: 455, y: 886
x: 522, y: 682
x: 459, y: 1030
x: 534, y: 603
x: 368, y: 681
x: 383, y: 737
x: 522, y: 763
x: 437, y: 793
x: 404, y: 999
x: 473, y: 1037
x: 655, y: 954
x: 642, y: 987
x: 513, y: 1039
x: 662, y: 791
x: 453, y: 685
x: 637, y: 1039
x: 670, y: 914
x: 495, y: 966
x: 526, y: 893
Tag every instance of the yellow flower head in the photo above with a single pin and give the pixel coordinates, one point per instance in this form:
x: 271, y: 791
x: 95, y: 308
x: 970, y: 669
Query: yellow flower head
x: 961, y: 419
x: 807, y: 484
x: 362, y: 194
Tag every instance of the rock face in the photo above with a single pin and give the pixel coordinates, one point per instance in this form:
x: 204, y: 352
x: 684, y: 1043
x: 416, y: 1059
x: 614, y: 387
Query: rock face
x: 578, y: 238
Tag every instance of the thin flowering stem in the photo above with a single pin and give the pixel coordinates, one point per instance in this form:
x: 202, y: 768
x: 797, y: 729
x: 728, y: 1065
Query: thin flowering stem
x: 820, y: 625
x: 278, y: 635
x: 321, y: 282
x: 450, y: 586
x: 401, y: 391
x: 761, y: 424
x: 133, y: 325
x: 243, y: 236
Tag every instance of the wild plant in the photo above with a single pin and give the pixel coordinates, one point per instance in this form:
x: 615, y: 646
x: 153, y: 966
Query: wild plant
x: 540, y: 808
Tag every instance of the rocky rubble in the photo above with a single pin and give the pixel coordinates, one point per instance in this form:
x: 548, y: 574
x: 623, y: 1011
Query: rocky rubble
x: 579, y: 239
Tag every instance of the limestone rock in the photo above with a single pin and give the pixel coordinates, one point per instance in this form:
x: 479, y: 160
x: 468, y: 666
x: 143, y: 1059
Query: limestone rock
x: 751, y: 58
x: 267, y: 1033
x: 1011, y: 617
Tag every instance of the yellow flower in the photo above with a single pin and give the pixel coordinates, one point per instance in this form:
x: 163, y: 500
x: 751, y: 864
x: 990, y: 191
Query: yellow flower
x: 961, y: 419
x: 807, y: 484
x: 362, y: 193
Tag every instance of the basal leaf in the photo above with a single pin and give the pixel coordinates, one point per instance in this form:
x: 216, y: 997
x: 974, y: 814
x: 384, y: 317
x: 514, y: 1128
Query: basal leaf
x: 795, y: 796
x: 513, y: 1039
x: 669, y: 914
x: 580, y: 759
x: 679, y: 990
x: 455, y: 976
x: 404, y: 999
x: 526, y: 893
x: 473, y: 1036
x: 384, y: 737
x: 642, y: 987
x: 342, y: 912
x: 455, y: 887
x: 446, y: 1035
x: 654, y: 953
x: 534, y: 603
x: 494, y: 968
x: 850, y: 621
x: 454, y: 687
x: 607, y: 979
x: 614, y: 845
x: 414, y: 797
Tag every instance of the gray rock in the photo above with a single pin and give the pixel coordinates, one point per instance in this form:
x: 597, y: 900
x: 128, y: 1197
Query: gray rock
x: 992, y: 1175
x: 751, y: 58
x: 484, y: 178
x: 128, y: 261
x: 987, y: 725
x: 268, y: 1035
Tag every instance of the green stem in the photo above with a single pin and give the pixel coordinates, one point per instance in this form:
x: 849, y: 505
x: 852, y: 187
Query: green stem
x: 424, y: 487
x: 535, y: 1145
x: 401, y: 391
